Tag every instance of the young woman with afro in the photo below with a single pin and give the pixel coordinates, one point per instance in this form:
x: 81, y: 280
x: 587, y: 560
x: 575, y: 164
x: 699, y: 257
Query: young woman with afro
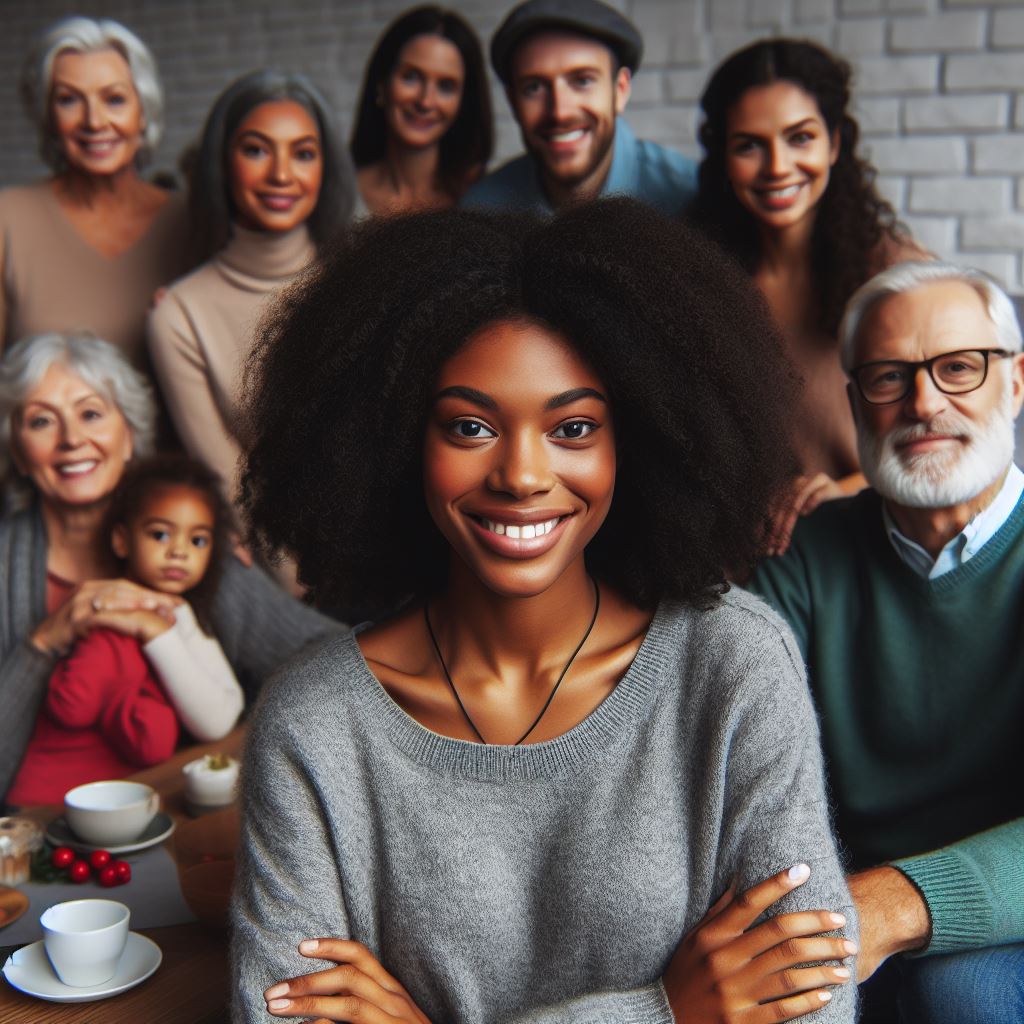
x: 566, y: 770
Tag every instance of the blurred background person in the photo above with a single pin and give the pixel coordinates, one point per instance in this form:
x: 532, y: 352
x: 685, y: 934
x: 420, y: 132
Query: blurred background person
x: 781, y: 188
x: 424, y: 129
x: 272, y: 182
x: 86, y: 248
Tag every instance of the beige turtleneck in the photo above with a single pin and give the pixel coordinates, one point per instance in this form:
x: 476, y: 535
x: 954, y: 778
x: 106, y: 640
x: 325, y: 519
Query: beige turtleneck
x: 202, y: 331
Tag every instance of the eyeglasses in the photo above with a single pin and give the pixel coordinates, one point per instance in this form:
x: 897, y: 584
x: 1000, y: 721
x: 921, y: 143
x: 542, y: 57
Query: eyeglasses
x: 953, y: 373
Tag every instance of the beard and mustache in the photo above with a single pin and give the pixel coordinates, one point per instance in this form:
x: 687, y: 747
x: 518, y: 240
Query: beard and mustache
x: 950, y: 476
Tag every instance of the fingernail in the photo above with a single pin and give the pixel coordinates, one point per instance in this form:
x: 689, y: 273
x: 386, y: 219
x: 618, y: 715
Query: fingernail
x: 279, y: 1004
x: 842, y: 972
x: 277, y: 990
x: 799, y: 873
x: 837, y: 919
x: 824, y: 996
x: 309, y: 946
x: 849, y: 946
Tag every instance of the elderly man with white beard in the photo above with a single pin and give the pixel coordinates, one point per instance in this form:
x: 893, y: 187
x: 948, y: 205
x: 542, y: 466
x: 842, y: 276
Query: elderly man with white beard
x: 907, y: 602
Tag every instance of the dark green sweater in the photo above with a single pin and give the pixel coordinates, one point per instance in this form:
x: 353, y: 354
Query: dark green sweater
x: 920, y: 688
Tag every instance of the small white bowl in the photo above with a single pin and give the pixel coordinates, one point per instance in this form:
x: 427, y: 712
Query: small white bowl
x: 110, y: 813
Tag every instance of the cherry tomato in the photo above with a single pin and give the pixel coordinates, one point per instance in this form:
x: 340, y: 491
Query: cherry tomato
x: 62, y: 857
x: 108, y: 876
x: 124, y: 871
x: 99, y: 859
x: 79, y: 872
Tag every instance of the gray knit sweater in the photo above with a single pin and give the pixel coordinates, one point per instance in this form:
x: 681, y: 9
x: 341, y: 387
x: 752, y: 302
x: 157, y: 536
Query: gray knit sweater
x: 258, y: 625
x: 544, y: 883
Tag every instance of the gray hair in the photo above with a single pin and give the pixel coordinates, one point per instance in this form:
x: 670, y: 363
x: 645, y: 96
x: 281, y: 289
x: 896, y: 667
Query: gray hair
x: 89, y: 35
x: 905, y: 277
x: 98, y: 363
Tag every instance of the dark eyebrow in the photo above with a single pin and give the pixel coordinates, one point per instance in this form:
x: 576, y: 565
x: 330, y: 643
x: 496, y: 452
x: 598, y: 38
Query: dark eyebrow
x: 470, y: 395
x: 302, y: 141
x: 573, y: 395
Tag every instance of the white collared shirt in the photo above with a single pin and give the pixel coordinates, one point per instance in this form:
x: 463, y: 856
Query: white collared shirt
x: 968, y: 542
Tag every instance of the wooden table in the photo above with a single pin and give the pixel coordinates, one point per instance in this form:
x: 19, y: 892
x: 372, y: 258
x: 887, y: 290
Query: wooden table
x: 191, y: 985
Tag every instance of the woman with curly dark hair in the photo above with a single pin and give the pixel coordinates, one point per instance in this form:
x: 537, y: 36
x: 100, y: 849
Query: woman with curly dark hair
x: 424, y: 130
x: 782, y: 189
x: 529, y: 450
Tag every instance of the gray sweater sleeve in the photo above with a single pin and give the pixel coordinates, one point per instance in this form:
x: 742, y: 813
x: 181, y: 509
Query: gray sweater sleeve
x: 776, y: 790
x: 288, y: 887
x: 24, y: 671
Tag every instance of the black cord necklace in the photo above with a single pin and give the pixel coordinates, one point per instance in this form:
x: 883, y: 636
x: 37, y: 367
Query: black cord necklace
x: 554, y: 690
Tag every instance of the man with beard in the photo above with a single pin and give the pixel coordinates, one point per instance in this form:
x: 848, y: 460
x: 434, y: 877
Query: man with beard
x: 567, y: 68
x: 908, y: 603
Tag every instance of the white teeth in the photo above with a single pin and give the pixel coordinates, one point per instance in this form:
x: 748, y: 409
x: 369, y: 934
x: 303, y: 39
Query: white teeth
x: 75, y: 468
x: 783, y: 193
x: 527, y: 532
x: 576, y: 133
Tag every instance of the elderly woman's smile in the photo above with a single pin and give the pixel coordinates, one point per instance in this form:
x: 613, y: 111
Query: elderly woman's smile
x: 71, y: 441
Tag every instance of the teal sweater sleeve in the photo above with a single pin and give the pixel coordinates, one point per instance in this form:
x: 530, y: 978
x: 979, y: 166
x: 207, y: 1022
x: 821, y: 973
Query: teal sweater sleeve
x: 974, y: 889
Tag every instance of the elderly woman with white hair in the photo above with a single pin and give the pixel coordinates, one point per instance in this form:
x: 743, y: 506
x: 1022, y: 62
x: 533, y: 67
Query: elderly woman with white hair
x: 73, y: 414
x: 87, y: 247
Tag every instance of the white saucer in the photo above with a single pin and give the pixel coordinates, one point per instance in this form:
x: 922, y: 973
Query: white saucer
x: 28, y: 970
x: 59, y: 833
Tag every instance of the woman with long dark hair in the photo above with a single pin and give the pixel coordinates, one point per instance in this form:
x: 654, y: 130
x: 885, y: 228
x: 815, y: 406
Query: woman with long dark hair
x: 423, y: 132
x: 783, y: 190
x: 272, y: 183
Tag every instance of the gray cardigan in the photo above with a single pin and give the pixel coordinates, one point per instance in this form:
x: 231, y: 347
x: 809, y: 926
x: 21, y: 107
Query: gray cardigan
x: 258, y: 625
x: 544, y: 883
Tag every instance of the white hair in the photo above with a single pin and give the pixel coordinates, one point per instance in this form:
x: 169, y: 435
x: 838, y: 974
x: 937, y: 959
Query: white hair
x: 98, y: 363
x: 905, y: 277
x: 89, y: 35
x: 940, y: 479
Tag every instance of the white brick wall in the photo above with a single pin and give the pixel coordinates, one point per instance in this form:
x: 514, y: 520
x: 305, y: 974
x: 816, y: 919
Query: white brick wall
x: 940, y: 85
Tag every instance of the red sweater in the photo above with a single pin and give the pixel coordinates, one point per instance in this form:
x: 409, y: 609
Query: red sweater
x: 105, y: 716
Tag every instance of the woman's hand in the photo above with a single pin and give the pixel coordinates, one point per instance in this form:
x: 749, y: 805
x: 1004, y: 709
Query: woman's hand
x: 115, y: 604
x: 805, y: 495
x: 721, y: 972
x: 357, y: 989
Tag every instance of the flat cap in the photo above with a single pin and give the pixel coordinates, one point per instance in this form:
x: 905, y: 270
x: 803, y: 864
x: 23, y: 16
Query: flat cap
x: 585, y: 17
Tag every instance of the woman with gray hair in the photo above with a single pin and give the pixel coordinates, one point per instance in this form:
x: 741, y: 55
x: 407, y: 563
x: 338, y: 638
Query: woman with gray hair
x: 273, y: 183
x: 73, y: 414
x: 86, y: 248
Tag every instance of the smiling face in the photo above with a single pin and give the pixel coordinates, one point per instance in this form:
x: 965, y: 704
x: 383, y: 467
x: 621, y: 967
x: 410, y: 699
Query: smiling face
x: 779, y: 153
x: 95, y: 111
x: 167, y: 546
x: 519, y: 456
x: 275, y: 165
x: 931, y: 449
x: 423, y: 93
x: 565, y: 97
x: 72, y: 442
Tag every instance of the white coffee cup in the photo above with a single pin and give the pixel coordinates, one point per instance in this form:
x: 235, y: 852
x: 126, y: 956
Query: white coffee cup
x: 110, y: 813
x: 84, y: 939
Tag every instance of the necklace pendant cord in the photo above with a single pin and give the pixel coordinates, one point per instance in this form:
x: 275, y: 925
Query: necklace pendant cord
x: 554, y: 689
